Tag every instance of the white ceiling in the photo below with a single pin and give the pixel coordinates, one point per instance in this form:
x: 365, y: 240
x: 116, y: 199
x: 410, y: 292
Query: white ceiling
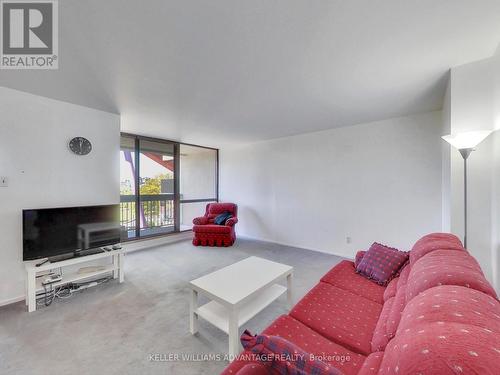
x: 220, y: 71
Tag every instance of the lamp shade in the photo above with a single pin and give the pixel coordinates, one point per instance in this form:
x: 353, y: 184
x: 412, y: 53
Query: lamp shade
x: 466, y: 139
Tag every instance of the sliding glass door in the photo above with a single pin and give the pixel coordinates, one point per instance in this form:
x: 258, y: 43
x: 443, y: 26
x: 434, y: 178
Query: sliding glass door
x: 156, y: 188
x: 164, y: 185
x: 128, y: 188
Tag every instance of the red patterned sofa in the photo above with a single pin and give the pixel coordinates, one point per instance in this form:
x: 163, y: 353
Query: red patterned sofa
x: 440, y: 316
x: 206, y: 233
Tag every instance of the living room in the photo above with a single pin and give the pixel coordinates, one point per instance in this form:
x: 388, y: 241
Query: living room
x: 192, y: 188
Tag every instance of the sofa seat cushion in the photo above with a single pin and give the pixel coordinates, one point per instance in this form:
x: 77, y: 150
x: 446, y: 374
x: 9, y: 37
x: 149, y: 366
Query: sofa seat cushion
x: 344, y: 276
x: 446, y: 268
x: 450, y: 348
x: 339, y: 316
x: 310, y: 341
x: 254, y: 369
x: 212, y: 228
x: 435, y: 241
x: 284, y: 356
x: 390, y: 290
x: 449, y: 303
x: 372, y: 364
x: 245, y: 361
x: 380, y: 337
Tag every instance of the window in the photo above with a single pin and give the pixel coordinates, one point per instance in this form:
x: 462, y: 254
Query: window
x: 198, y: 182
x: 164, y: 185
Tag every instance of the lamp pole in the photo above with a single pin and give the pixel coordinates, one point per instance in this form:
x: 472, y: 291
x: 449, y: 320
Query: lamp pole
x: 465, y: 152
x: 465, y: 143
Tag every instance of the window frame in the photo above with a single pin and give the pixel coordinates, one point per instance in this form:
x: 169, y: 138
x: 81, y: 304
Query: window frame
x: 177, y: 201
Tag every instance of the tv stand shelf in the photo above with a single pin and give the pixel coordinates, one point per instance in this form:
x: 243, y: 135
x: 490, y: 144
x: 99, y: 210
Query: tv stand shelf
x: 34, y: 284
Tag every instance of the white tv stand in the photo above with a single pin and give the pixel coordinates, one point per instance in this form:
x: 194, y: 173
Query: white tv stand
x: 34, y: 284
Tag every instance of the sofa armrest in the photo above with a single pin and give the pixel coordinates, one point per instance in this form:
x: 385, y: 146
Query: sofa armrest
x: 202, y: 220
x: 231, y: 221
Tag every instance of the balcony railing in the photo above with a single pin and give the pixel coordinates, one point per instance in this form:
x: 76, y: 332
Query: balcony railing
x: 156, y: 212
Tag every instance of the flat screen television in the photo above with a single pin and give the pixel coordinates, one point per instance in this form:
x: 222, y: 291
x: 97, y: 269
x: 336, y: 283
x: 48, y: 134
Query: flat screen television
x: 51, y: 232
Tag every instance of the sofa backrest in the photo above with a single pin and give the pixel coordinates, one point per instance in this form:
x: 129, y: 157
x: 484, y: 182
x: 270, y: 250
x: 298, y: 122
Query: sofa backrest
x: 447, y: 329
x: 451, y: 304
x: 445, y: 267
x: 445, y: 316
x: 450, y: 348
x: 432, y: 242
x: 214, y: 209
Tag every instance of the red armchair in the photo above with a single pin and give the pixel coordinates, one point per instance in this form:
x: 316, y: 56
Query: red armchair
x: 206, y: 233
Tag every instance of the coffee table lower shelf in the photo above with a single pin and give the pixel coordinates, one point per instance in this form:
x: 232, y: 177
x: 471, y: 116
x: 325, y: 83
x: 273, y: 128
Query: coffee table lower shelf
x: 219, y: 315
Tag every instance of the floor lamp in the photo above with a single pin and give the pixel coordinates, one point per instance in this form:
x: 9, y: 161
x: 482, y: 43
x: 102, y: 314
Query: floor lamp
x: 465, y: 143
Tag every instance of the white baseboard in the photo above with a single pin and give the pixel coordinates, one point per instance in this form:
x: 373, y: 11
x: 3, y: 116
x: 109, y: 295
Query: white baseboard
x: 295, y: 246
x: 153, y: 242
x: 11, y: 300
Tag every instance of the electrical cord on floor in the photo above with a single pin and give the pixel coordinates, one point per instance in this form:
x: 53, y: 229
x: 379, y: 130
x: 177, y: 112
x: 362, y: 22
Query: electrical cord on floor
x: 49, y: 294
x: 64, y: 291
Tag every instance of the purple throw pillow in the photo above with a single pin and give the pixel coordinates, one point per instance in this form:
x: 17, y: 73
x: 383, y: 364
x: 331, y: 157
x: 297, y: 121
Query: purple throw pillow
x: 359, y: 257
x: 284, y: 356
x: 381, y: 263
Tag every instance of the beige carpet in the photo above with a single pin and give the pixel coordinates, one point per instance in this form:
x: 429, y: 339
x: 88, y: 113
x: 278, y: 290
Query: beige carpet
x: 116, y: 328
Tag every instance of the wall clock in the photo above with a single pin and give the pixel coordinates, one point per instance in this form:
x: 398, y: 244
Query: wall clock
x: 80, y: 146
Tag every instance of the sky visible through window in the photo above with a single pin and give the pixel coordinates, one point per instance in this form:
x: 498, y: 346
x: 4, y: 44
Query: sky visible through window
x: 149, y: 169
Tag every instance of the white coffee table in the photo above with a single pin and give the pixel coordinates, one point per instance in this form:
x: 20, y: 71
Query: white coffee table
x: 238, y: 292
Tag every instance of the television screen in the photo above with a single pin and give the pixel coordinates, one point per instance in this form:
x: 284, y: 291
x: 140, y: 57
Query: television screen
x: 55, y: 231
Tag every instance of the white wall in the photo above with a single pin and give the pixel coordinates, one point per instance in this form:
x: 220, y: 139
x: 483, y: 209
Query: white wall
x: 446, y: 162
x: 372, y: 182
x: 475, y: 105
x: 42, y: 172
x: 495, y: 222
x: 495, y: 245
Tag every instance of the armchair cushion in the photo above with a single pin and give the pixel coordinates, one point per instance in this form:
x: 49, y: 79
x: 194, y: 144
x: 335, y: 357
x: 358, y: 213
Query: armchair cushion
x: 222, y: 218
